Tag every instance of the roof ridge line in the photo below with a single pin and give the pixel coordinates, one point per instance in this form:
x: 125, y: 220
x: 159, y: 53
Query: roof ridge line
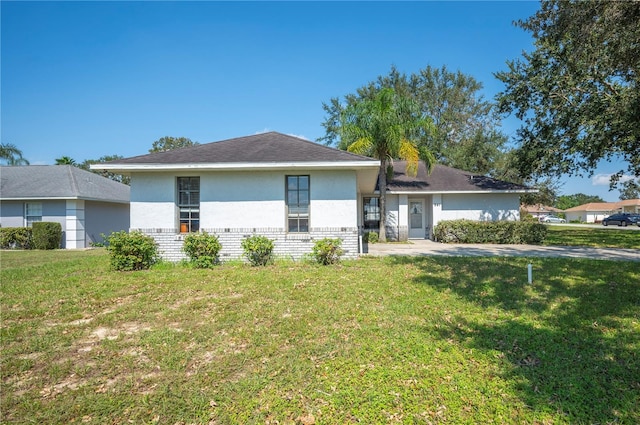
x: 74, y: 183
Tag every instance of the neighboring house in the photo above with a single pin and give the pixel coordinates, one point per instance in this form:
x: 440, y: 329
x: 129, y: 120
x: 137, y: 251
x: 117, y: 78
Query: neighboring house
x: 415, y: 205
x: 592, y: 212
x: 85, y: 204
x: 629, y: 206
x: 540, y: 211
x: 295, y: 192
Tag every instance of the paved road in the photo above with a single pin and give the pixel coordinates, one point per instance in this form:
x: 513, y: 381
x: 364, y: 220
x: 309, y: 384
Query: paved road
x: 427, y: 247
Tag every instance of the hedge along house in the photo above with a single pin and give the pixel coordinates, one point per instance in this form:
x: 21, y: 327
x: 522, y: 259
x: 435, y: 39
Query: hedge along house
x: 288, y: 189
x: 85, y: 204
x: 416, y: 204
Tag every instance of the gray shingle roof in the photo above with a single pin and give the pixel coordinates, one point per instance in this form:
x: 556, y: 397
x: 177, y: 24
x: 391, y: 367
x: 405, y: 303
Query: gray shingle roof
x: 260, y: 148
x: 59, y: 181
x: 446, y: 179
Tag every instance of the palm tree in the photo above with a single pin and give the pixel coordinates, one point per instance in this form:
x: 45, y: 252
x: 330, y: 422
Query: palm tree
x: 10, y: 153
x: 386, y: 127
x: 65, y: 160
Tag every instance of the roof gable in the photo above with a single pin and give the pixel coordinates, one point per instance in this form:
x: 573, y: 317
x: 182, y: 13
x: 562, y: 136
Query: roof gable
x: 262, y: 148
x: 59, y: 182
x: 447, y: 179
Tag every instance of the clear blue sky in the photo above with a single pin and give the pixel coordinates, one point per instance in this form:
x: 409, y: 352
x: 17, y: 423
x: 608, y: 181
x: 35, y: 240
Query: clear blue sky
x: 88, y: 79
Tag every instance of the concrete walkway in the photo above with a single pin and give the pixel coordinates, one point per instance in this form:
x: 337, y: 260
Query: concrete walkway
x: 427, y: 247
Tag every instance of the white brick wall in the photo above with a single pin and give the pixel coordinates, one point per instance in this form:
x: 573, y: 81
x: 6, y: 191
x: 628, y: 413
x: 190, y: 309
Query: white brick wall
x: 287, y: 245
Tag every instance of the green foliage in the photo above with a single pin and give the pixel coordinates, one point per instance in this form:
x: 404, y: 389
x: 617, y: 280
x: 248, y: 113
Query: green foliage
x: 15, y: 238
x: 371, y: 237
x: 11, y: 155
x: 86, y: 165
x: 497, y: 232
x: 46, y: 235
x: 578, y: 92
x: 202, y: 249
x: 169, y: 143
x: 132, y: 251
x: 465, y: 129
x: 630, y: 189
x: 386, y: 126
x: 258, y: 250
x: 66, y: 160
x: 569, y: 201
x: 327, y: 251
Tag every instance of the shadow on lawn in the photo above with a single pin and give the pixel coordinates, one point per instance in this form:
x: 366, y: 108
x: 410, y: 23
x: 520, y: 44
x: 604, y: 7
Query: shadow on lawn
x: 569, y: 342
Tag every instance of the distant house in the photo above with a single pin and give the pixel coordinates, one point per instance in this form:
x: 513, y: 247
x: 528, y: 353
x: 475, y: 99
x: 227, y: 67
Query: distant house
x: 84, y: 203
x: 592, y: 212
x: 540, y: 211
x: 295, y: 192
x: 629, y: 206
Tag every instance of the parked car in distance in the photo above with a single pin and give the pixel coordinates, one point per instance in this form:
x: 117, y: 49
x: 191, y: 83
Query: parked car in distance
x: 553, y: 219
x: 622, y: 219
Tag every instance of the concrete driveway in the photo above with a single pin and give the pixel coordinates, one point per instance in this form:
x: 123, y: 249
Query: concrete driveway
x: 426, y: 247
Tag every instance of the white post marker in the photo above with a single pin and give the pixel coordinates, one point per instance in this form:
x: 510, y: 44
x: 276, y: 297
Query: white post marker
x: 530, y: 273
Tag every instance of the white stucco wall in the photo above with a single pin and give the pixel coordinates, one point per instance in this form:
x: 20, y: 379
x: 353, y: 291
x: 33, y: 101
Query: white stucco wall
x: 153, y: 201
x: 587, y: 216
x: 481, y: 206
x: 234, y: 199
x: 104, y: 218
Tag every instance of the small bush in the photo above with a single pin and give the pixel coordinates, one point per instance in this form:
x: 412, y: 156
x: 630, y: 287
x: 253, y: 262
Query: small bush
x: 46, y: 235
x: 202, y: 249
x: 132, y: 251
x: 371, y: 237
x: 15, y: 238
x: 497, y: 232
x: 327, y: 251
x: 258, y: 250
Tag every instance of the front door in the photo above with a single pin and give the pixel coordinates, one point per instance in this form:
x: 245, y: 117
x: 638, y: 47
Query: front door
x: 416, y: 219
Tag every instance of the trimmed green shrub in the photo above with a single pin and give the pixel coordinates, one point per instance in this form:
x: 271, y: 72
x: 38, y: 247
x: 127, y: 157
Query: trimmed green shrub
x: 46, y: 235
x: 132, y: 251
x: 15, y: 238
x: 371, y: 237
x: 496, y: 232
x: 202, y: 249
x: 258, y: 250
x: 327, y: 251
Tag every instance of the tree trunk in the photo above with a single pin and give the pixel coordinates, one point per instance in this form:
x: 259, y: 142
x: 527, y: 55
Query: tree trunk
x: 382, y: 185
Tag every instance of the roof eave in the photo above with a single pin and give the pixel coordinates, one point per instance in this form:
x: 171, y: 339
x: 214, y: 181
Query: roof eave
x: 448, y: 192
x: 237, y: 166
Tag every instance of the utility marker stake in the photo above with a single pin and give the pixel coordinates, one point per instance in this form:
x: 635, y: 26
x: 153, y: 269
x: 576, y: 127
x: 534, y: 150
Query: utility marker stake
x: 530, y: 273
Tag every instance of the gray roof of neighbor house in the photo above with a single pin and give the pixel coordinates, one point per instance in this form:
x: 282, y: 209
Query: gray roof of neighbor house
x: 59, y: 182
x: 447, y: 179
x: 269, y: 147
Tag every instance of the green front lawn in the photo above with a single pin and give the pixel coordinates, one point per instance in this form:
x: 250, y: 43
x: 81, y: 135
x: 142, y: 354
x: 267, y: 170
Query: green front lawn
x: 378, y: 340
x: 589, y: 236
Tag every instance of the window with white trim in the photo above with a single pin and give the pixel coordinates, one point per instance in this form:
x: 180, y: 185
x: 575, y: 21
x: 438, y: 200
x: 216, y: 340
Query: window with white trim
x: 297, y: 188
x: 371, y: 213
x: 32, y: 213
x: 189, y: 204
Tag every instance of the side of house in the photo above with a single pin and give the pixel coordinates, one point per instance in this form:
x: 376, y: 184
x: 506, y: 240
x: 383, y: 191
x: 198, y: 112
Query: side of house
x: 85, y: 204
x: 416, y: 204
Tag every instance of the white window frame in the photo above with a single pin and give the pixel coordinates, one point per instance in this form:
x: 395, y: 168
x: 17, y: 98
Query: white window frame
x: 296, y: 213
x: 32, y: 213
x: 189, y: 212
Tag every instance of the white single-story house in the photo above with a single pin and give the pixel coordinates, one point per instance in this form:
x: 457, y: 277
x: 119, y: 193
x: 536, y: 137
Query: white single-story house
x: 295, y: 192
x: 84, y: 203
x: 592, y: 212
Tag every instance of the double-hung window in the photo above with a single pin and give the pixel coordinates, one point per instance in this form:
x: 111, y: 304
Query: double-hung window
x: 371, y: 213
x: 297, y: 188
x: 189, y: 203
x: 32, y: 212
